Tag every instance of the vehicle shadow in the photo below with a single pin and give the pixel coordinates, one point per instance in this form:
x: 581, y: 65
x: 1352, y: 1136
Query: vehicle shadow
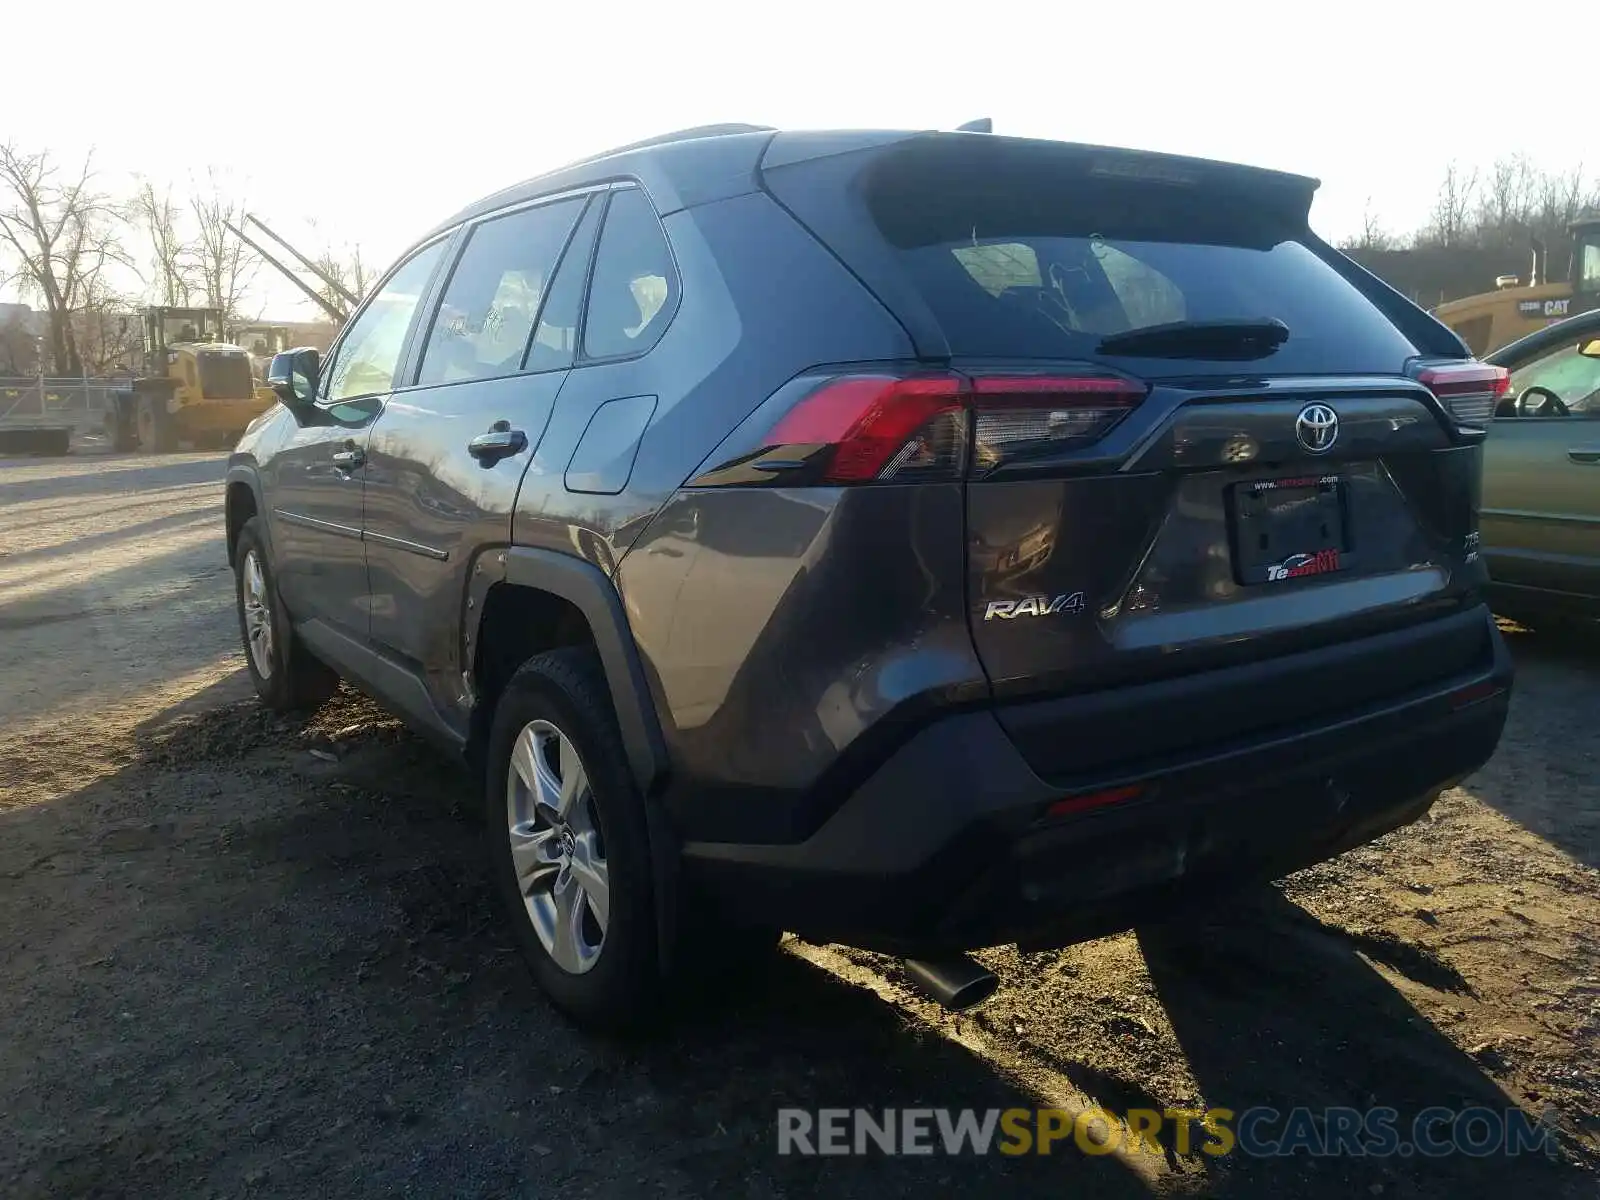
x: 140, y: 471
x: 263, y: 957
x: 169, y: 523
x: 1273, y: 1008
x: 1548, y: 752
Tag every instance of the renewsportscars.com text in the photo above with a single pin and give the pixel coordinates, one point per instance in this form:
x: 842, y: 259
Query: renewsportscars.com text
x: 1257, y: 1132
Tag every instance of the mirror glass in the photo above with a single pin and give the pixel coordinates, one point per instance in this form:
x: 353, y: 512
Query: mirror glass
x: 293, y: 375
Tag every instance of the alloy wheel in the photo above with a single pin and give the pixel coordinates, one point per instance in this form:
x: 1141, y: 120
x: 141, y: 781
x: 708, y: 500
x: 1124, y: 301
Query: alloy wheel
x: 556, y: 847
x: 257, y: 614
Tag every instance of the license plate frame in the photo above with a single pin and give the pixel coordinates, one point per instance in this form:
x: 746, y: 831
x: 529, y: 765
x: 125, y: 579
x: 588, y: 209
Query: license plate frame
x: 1288, y: 528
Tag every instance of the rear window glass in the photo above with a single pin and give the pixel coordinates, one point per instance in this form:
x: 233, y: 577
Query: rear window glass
x: 1042, y: 259
x: 1044, y: 295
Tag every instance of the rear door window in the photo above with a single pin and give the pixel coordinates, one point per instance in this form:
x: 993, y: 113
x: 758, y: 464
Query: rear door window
x: 486, y: 317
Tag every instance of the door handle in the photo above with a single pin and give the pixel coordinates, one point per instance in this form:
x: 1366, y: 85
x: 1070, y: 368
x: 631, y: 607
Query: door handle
x: 1584, y: 455
x: 501, y: 441
x: 349, y: 458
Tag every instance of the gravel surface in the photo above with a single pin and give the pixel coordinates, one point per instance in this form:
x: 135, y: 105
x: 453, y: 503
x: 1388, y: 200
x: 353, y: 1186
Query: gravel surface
x: 245, y: 955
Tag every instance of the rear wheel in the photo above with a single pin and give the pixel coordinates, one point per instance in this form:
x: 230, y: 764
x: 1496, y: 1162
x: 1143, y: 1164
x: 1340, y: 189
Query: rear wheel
x: 568, y: 846
x: 154, y: 426
x: 569, y: 850
x: 286, y: 675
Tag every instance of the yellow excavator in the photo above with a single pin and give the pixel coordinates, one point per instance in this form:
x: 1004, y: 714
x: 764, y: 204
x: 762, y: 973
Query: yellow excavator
x: 260, y: 342
x: 194, y: 387
x: 1490, y: 320
x: 198, y: 388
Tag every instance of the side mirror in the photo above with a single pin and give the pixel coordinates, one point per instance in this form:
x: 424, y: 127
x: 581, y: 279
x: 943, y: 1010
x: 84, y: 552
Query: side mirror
x: 1590, y: 349
x: 293, y: 376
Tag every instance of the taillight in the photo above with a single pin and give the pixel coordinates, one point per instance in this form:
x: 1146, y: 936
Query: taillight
x: 1019, y: 415
x: 1469, y: 391
x: 861, y: 428
x: 906, y: 427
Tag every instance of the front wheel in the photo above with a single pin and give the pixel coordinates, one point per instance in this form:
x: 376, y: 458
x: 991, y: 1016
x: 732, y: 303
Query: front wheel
x: 286, y: 675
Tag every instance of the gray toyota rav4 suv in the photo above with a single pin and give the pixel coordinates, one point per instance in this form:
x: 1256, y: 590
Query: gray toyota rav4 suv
x: 921, y: 541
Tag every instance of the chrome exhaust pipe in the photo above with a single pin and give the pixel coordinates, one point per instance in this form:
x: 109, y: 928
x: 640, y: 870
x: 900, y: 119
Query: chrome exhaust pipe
x: 956, y: 983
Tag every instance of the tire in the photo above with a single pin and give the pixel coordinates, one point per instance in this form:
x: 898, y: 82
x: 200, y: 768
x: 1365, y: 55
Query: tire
x: 58, y: 443
x: 598, y: 958
x: 154, y: 426
x: 286, y: 675
x: 120, y: 422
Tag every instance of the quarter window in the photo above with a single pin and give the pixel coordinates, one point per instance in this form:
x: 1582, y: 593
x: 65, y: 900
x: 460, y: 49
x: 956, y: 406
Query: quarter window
x: 369, y: 353
x: 630, y: 298
x: 484, y: 321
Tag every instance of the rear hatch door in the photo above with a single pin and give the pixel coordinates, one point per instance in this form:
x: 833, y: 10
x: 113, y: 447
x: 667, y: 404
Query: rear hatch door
x: 1198, y: 441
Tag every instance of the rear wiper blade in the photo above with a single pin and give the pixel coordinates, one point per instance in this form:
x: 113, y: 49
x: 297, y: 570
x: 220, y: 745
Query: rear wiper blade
x: 1233, y: 338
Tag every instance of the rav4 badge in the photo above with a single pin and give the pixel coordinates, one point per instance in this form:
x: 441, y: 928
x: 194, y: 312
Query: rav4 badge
x: 1034, y: 606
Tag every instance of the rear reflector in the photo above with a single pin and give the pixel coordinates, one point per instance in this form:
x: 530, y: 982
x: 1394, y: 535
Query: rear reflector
x: 1475, y: 694
x: 906, y: 427
x: 1069, y: 805
x: 1468, y: 390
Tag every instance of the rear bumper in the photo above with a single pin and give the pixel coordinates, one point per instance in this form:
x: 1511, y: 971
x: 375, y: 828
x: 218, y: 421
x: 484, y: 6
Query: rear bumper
x: 948, y: 846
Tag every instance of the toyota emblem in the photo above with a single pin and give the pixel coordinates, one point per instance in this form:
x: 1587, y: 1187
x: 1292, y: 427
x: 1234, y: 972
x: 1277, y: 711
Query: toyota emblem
x: 1317, y: 428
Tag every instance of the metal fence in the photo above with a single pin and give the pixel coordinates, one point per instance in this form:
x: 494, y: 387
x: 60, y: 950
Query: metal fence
x: 50, y: 403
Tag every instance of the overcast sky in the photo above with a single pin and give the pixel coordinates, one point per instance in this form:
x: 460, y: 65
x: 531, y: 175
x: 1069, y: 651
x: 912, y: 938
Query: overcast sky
x: 378, y: 119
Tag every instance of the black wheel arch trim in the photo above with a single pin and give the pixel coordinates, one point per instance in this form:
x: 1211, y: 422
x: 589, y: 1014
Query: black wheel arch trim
x: 592, y: 592
x: 246, y: 474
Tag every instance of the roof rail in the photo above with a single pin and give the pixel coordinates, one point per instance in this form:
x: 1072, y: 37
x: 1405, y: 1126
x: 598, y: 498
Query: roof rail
x: 724, y: 129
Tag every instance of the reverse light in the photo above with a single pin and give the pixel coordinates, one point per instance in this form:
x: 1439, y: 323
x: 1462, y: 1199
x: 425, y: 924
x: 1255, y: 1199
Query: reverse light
x: 906, y: 427
x: 1019, y: 415
x: 1469, y: 391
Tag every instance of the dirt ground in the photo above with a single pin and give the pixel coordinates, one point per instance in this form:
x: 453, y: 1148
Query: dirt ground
x: 242, y: 955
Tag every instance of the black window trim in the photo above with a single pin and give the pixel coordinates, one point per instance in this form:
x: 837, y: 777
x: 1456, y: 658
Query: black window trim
x: 410, y: 364
x: 465, y: 231
x: 602, y: 203
x: 674, y: 288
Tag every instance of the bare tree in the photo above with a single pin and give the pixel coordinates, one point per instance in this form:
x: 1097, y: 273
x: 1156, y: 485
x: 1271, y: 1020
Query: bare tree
x: 172, y: 260
x: 64, y: 235
x: 224, y: 265
x: 19, y: 353
x: 1505, y: 206
x: 349, y: 269
x: 344, y: 262
x: 1560, y: 198
x: 1373, y: 235
x: 107, y: 330
x: 1447, y: 223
